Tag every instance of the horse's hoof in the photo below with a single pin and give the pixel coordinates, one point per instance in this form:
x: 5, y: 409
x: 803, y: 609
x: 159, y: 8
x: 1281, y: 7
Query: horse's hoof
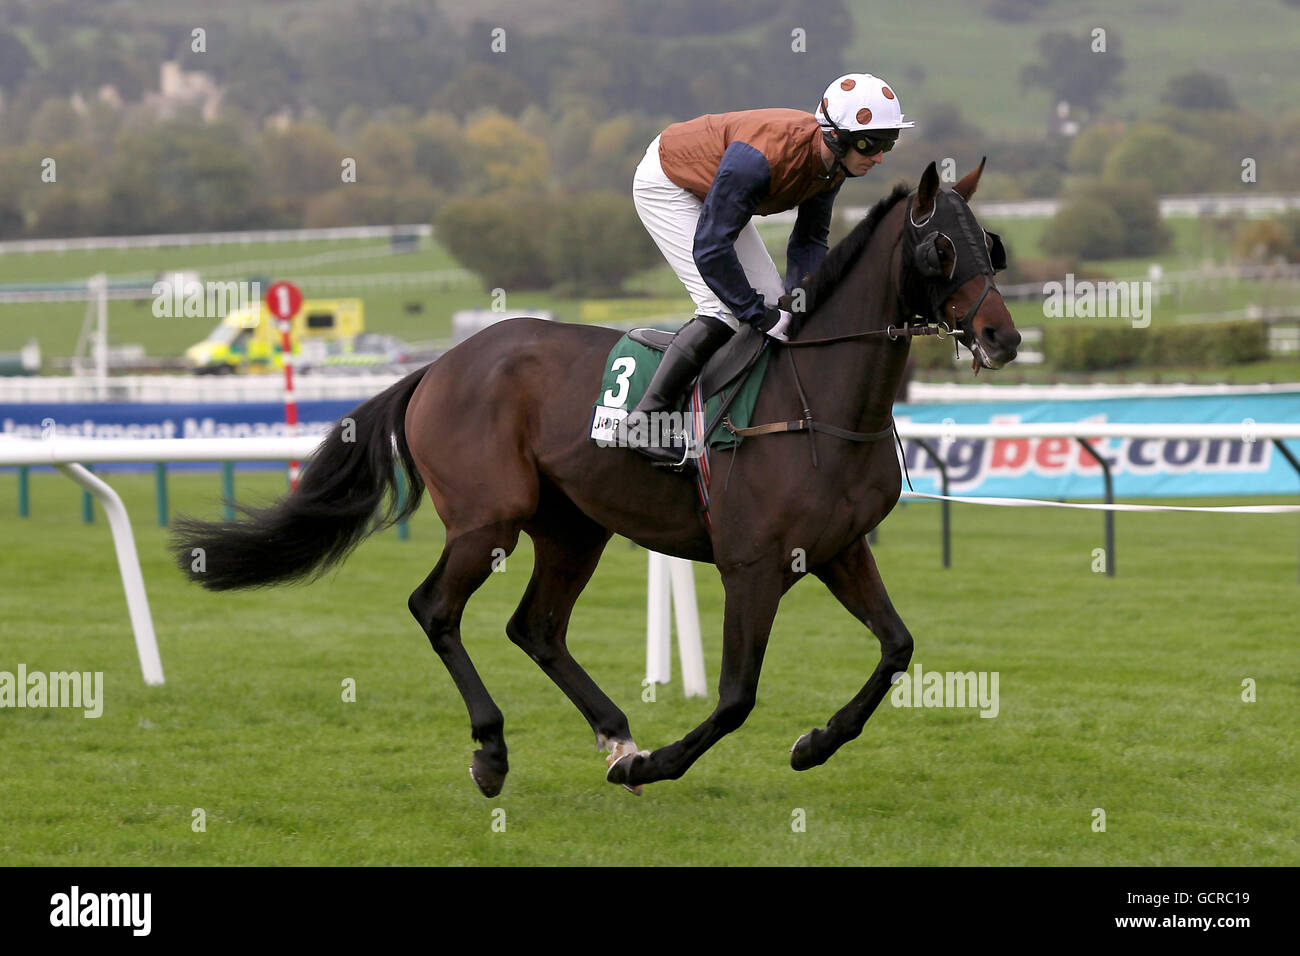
x: 620, y: 768
x: 619, y: 752
x: 801, y: 755
x: 488, y: 781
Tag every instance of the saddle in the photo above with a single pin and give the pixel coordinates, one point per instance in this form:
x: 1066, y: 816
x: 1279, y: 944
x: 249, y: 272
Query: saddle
x: 723, y: 393
x: 724, y: 366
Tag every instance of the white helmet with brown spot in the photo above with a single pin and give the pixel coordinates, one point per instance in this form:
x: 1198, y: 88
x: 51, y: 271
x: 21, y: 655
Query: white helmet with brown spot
x: 860, y: 101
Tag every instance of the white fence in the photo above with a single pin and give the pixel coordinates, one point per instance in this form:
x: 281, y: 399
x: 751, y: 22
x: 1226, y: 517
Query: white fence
x: 167, y: 389
x: 70, y: 455
x: 952, y: 392
x: 1253, y: 206
x: 182, y: 240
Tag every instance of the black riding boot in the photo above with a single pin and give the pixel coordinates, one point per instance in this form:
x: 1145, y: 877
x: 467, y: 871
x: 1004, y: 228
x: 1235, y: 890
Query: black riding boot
x: 691, y: 347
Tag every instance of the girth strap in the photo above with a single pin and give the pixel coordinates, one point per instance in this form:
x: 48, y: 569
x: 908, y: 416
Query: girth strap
x: 807, y: 424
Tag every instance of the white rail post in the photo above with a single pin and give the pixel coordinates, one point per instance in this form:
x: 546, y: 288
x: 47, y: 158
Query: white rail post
x: 672, y: 581
x: 128, y: 561
x: 681, y: 581
x: 658, y: 651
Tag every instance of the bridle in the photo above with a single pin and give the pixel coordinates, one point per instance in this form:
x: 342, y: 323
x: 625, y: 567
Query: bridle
x: 932, y: 323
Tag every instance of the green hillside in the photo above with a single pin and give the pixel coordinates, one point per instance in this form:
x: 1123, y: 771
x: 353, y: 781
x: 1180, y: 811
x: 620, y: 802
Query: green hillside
x: 974, y: 60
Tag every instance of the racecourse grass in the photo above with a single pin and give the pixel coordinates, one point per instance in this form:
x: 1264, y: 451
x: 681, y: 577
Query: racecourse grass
x: 1123, y: 694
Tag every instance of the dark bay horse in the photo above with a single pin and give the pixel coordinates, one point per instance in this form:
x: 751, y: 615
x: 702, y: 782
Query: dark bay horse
x: 497, y: 431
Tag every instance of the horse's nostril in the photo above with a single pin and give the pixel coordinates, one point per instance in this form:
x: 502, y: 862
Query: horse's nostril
x: 1007, y: 339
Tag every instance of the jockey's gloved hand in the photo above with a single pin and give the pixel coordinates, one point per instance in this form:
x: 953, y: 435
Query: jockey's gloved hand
x: 776, y: 323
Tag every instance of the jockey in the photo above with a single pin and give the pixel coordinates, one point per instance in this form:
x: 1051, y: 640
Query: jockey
x: 700, y: 183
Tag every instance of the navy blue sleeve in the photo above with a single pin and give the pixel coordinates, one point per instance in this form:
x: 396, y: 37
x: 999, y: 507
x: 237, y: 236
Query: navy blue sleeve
x: 741, y: 182
x: 812, y: 228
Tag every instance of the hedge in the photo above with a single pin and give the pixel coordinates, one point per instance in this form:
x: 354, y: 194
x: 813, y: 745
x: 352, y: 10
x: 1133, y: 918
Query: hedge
x: 1092, y: 348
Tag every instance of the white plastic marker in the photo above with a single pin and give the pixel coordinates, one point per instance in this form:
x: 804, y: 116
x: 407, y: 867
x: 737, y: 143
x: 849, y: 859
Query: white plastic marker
x: 672, y: 581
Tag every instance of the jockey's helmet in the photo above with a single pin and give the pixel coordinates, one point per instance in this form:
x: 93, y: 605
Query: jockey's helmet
x: 860, y: 111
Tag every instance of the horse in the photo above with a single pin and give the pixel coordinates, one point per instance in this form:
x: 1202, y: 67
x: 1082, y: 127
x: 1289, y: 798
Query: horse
x: 496, y: 430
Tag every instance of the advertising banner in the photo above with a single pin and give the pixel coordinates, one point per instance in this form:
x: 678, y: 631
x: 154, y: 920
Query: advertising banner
x: 1061, y: 468
x: 134, y: 420
x: 1021, y: 467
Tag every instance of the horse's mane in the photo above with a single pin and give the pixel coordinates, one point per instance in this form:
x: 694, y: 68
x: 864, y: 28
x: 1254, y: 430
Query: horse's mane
x: 837, y: 262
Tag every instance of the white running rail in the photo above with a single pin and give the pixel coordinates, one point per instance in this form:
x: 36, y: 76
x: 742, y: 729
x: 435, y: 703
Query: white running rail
x: 69, y: 455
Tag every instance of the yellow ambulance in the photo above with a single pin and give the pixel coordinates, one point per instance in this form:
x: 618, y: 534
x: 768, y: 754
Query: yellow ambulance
x: 248, y: 339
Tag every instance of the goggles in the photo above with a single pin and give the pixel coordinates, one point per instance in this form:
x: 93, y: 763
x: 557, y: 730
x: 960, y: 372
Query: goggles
x: 869, y: 144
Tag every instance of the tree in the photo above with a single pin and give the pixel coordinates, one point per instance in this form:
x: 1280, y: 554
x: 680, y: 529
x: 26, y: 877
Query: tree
x: 481, y: 86
x: 615, y: 148
x: 944, y: 121
x: 1199, y: 90
x: 1086, y: 229
x: 1268, y: 240
x: 55, y: 122
x: 15, y: 61
x: 12, y: 220
x: 356, y: 204
x: 182, y: 176
x: 300, y: 161
x: 362, y: 56
x: 73, y: 65
x: 1138, y: 209
x: 504, y: 156
x: 1089, y: 149
x: 385, y: 153
x: 1016, y: 11
x: 260, y: 74
x: 440, y: 151
x: 1155, y: 153
x: 62, y: 212
x: 687, y: 18
x: 596, y: 241
x: 501, y: 238
x: 1069, y: 69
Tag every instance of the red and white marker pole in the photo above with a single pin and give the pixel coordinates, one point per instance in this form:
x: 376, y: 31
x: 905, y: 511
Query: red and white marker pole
x: 284, y: 300
x: 290, y: 404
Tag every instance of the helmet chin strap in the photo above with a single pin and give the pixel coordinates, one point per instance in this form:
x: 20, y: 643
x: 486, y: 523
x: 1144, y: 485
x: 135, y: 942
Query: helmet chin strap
x: 838, y: 150
x: 838, y: 144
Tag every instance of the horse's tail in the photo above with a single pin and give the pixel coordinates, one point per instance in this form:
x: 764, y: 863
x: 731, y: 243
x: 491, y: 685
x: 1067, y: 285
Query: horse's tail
x: 336, y: 505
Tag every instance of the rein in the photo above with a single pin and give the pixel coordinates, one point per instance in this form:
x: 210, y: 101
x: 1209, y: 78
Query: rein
x: 930, y: 327
x: 943, y: 331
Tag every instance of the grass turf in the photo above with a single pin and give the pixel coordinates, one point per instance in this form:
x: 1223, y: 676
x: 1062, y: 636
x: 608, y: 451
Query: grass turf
x: 1121, y: 694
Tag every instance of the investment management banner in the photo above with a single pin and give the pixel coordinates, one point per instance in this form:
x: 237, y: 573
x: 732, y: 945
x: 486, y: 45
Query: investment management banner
x: 167, y: 420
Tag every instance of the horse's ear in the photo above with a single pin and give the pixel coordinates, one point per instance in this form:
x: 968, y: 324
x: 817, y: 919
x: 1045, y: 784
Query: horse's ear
x: 965, y: 187
x: 926, y: 192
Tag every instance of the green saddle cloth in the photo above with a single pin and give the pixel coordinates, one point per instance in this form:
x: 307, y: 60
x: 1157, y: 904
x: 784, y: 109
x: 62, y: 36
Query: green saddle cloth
x: 631, y: 365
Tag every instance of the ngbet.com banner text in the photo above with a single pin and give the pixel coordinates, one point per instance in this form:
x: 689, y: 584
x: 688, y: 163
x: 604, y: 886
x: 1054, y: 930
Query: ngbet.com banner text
x: 1144, y: 467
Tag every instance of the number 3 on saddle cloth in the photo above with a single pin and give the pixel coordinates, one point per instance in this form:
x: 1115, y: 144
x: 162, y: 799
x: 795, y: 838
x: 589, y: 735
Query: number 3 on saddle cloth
x: 722, y: 397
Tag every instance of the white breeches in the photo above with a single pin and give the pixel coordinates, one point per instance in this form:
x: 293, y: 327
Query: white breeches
x: 670, y: 214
